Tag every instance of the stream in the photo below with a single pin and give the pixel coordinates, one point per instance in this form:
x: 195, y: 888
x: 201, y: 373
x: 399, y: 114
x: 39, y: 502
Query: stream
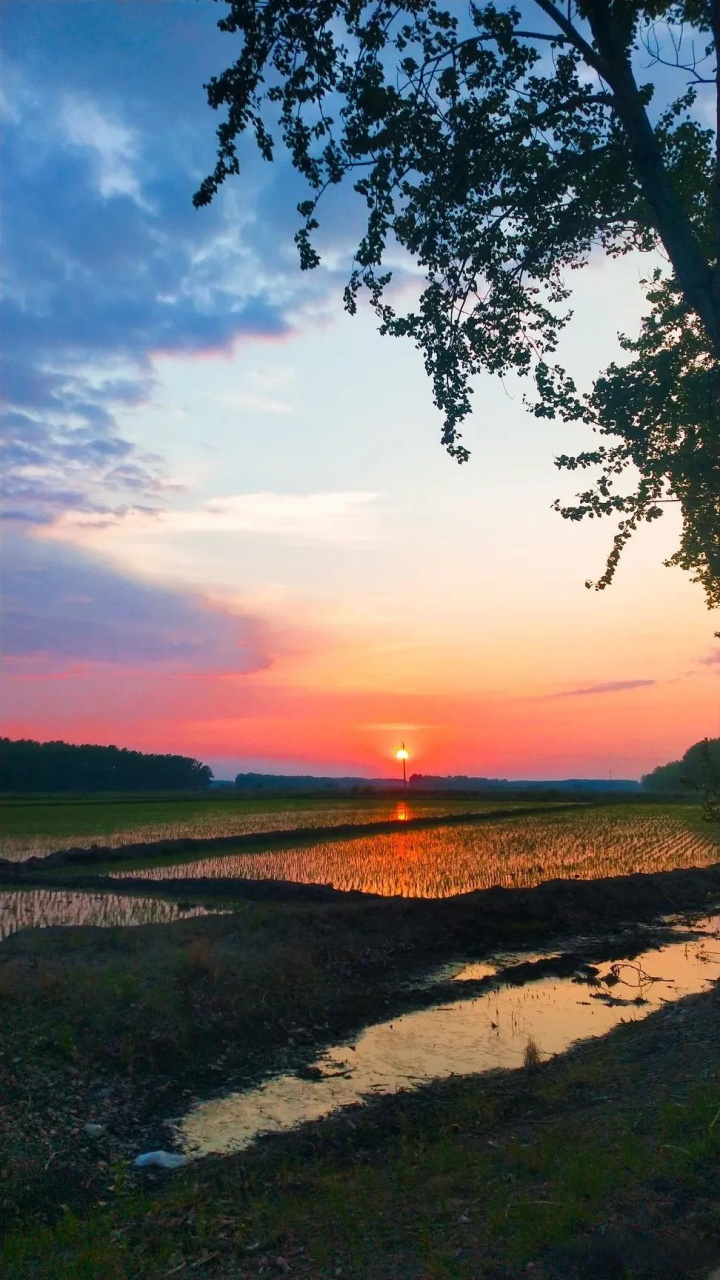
x: 484, y: 1032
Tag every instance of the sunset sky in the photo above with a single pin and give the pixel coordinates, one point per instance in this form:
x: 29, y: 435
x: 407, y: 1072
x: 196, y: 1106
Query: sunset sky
x: 230, y: 528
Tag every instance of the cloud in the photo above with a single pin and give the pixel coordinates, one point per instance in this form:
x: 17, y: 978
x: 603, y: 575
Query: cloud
x: 108, y: 264
x: 249, y: 400
x: 61, y: 604
x: 114, y: 148
x: 610, y: 686
x: 711, y: 659
x: 338, y: 516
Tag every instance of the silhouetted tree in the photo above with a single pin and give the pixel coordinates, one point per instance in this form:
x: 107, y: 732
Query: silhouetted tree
x: 26, y: 765
x: 698, y: 771
x: 500, y: 145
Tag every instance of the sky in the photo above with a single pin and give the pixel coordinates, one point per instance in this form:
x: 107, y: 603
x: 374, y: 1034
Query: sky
x: 229, y: 527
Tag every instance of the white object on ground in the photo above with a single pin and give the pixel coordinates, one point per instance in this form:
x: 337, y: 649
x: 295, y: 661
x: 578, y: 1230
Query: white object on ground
x: 160, y: 1160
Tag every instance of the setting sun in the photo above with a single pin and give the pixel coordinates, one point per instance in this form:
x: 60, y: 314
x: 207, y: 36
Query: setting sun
x: 402, y: 754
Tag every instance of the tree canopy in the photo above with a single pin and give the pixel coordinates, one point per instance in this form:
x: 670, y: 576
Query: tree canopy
x: 27, y: 765
x: 499, y: 146
x: 697, y: 772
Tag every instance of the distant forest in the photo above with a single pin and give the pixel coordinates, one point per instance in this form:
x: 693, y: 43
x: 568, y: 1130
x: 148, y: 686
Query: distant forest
x: 691, y: 773
x: 26, y: 766
x: 258, y: 783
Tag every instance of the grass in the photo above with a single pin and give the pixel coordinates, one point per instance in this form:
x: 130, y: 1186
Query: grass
x: 116, y: 1025
x: 120, y: 1026
x: 607, y: 1156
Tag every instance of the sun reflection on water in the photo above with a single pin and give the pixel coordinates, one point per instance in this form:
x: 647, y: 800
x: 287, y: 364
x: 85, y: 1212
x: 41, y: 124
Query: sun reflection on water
x: 443, y: 861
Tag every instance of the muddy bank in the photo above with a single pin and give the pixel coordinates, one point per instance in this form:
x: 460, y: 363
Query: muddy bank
x: 124, y: 1027
x: 598, y: 1165
x: 263, y: 839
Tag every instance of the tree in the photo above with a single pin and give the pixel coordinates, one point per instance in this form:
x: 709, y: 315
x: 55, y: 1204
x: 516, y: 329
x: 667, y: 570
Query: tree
x: 27, y: 765
x: 499, y: 146
x: 697, y: 771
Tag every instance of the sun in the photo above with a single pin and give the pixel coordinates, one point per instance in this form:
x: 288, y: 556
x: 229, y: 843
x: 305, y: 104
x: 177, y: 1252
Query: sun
x: 402, y: 754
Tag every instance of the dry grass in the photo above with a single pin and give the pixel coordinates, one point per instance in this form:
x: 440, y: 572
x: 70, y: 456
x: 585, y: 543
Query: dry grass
x: 532, y: 1058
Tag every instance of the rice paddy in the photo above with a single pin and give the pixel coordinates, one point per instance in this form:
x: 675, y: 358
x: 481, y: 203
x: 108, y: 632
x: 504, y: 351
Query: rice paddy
x: 441, y: 862
x: 35, y: 830
x: 45, y: 908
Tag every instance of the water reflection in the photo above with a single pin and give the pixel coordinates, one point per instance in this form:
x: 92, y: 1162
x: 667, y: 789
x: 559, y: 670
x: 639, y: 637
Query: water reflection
x: 225, y: 820
x: 44, y: 908
x: 474, y: 1035
x: 440, y: 862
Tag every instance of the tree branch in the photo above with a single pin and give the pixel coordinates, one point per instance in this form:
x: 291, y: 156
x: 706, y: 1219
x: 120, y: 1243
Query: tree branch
x: 573, y: 36
x: 715, y: 24
x: 670, y: 217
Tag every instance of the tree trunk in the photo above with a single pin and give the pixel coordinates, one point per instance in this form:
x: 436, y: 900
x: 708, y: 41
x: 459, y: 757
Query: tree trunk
x: 696, y: 277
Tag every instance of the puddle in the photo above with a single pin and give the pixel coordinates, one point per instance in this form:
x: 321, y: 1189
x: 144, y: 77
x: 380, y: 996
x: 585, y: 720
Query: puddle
x: 477, y: 970
x: 45, y: 908
x: 489, y: 1031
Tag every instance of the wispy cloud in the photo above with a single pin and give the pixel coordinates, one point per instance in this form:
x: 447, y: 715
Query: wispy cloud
x: 711, y: 659
x: 339, y: 516
x: 112, y: 145
x: 251, y: 402
x: 609, y: 686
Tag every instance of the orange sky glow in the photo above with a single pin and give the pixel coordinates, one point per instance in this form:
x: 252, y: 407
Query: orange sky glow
x: 232, y: 529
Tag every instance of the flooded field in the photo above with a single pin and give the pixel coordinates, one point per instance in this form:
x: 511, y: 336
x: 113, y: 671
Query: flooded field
x: 44, y: 908
x: 490, y: 1031
x: 78, y: 826
x: 441, y: 862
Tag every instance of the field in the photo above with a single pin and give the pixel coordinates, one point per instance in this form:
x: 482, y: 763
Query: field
x: 38, y: 827
x: 46, y: 908
x: 465, y: 1178
x: 109, y: 1037
x: 443, y: 861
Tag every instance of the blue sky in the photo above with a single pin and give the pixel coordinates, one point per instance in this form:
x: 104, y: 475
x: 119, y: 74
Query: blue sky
x: 232, y: 529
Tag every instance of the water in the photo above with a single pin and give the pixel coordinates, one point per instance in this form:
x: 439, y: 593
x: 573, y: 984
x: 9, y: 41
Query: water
x: 81, y: 826
x: 440, y: 862
x: 44, y: 908
x: 472, y: 1035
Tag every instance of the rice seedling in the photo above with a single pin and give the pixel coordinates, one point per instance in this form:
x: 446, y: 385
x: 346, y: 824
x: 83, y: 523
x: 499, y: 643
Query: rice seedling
x: 37, y: 830
x: 44, y: 908
x: 444, y: 861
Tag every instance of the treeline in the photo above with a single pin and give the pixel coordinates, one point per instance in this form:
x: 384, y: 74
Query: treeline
x: 693, y: 773
x: 26, y: 765
x: 470, y: 786
x: 309, y: 784
x: 426, y: 784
